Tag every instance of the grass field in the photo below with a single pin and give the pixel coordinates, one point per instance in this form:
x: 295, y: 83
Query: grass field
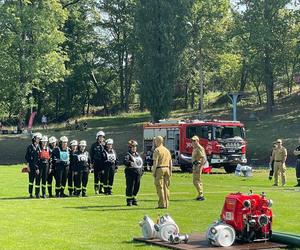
x: 104, y: 222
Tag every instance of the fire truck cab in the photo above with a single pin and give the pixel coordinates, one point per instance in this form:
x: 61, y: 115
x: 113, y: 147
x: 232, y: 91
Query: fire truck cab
x: 223, y: 141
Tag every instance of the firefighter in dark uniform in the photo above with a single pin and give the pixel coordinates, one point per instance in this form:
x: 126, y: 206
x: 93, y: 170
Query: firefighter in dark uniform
x: 110, y: 166
x: 297, y: 154
x: 133, y: 173
x: 96, y: 154
x: 52, y: 145
x: 32, y: 157
x: 61, y: 161
x: 82, y: 169
x: 44, y: 162
x: 271, y: 166
x: 73, y: 160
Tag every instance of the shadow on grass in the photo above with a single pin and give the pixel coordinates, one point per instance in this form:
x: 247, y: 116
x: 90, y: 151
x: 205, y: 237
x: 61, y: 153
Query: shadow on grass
x: 16, y: 198
x: 109, y: 208
x: 136, y: 243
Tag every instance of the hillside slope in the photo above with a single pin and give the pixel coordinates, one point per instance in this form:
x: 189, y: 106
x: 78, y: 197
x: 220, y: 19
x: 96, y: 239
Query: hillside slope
x: 261, y: 132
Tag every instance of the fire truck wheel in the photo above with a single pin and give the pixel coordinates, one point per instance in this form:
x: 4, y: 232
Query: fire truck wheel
x: 229, y: 168
x: 186, y: 168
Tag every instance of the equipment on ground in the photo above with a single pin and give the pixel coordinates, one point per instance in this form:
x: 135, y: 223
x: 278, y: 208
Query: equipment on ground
x: 178, y: 238
x: 243, y: 170
x: 163, y: 229
x: 245, y: 218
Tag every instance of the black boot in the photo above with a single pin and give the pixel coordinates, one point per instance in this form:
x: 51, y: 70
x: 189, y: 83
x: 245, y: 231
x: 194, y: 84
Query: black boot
x: 101, y: 189
x: 106, y: 190
x: 57, y: 194
x: 50, y: 192
x: 109, y: 191
x: 129, y: 202
x: 134, y: 202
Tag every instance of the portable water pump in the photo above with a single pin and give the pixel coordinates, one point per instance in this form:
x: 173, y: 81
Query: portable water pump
x: 244, y: 217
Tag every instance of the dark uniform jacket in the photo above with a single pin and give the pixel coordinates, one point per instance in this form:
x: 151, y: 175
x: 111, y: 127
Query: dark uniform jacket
x: 298, y: 149
x: 51, y: 166
x: 73, y: 160
x: 96, y: 153
x: 32, y: 156
x: 83, y: 161
x: 133, y: 162
x: 110, y: 159
x: 60, y: 157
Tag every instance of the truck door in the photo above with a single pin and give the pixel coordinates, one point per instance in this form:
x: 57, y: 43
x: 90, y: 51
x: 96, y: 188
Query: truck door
x: 172, y: 142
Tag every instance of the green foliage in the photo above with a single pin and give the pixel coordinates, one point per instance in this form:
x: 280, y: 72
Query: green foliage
x: 161, y: 33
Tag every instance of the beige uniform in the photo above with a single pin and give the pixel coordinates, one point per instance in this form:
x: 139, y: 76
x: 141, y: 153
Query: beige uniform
x: 198, y: 159
x: 279, y: 156
x: 162, y: 171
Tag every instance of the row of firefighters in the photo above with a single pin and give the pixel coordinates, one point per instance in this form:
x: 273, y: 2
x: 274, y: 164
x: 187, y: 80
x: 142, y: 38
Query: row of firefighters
x: 70, y: 163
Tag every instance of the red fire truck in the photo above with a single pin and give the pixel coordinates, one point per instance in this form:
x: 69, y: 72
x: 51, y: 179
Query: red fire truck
x: 224, y: 141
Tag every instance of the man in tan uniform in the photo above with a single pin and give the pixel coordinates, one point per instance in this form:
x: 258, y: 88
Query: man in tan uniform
x: 198, y: 160
x: 162, y: 171
x: 279, y: 156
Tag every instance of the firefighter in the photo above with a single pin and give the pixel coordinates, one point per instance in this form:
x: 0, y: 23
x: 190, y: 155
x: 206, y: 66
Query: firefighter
x: 73, y: 159
x: 96, y: 154
x: 52, y: 146
x: 279, y: 156
x: 133, y: 173
x: 61, y: 161
x: 198, y: 161
x: 44, y: 162
x: 271, y: 166
x: 32, y: 157
x: 82, y: 169
x: 297, y: 154
x: 162, y: 171
x: 110, y: 166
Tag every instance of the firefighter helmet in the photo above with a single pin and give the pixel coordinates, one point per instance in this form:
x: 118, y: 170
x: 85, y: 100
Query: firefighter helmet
x: 44, y: 138
x: 82, y: 143
x: 37, y: 135
x: 132, y: 143
x: 52, y: 139
x: 109, y: 141
x: 100, y: 133
x: 73, y: 143
x: 63, y: 139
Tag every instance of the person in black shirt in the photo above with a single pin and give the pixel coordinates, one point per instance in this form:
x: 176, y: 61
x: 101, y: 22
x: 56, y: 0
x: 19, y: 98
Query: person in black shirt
x: 82, y: 169
x: 61, y: 161
x: 96, y: 154
x: 110, y: 166
x: 52, y: 146
x: 297, y: 154
x: 44, y: 162
x: 73, y: 159
x: 32, y: 157
x: 271, y: 167
x: 133, y: 173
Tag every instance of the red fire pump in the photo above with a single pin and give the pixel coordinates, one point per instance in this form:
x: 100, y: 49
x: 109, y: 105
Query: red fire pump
x: 244, y: 217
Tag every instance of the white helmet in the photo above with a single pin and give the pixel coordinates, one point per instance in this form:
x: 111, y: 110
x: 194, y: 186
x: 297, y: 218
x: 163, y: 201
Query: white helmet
x: 63, y: 139
x: 82, y: 143
x: 44, y: 138
x: 52, y: 139
x: 37, y: 135
x: 109, y: 141
x: 73, y: 143
x: 100, y: 133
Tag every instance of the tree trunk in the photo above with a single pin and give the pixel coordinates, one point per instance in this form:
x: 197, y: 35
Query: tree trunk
x: 243, y: 76
x: 202, y: 79
x: 269, y: 82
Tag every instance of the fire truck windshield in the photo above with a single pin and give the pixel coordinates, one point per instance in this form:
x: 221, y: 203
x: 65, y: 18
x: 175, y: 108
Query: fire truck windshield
x: 225, y: 132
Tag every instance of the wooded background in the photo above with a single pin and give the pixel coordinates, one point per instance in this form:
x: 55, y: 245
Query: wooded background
x: 67, y: 58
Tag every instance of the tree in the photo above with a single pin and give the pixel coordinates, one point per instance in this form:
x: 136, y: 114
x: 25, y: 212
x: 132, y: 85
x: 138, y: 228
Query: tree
x: 161, y: 33
x: 32, y: 47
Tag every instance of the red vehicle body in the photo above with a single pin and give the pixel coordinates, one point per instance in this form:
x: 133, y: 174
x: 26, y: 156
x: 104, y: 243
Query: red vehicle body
x: 223, y: 141
x: 250, y: 216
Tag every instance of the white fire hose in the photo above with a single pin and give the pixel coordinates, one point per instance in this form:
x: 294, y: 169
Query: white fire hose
x: 220, y: 234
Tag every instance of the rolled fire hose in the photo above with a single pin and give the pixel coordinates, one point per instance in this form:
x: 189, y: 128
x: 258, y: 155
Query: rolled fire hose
x: 220, y: 234
x: 289, y: 239
x: 148, y: 229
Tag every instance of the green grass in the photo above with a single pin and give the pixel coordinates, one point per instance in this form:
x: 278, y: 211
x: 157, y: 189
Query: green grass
x: 106, y: 223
